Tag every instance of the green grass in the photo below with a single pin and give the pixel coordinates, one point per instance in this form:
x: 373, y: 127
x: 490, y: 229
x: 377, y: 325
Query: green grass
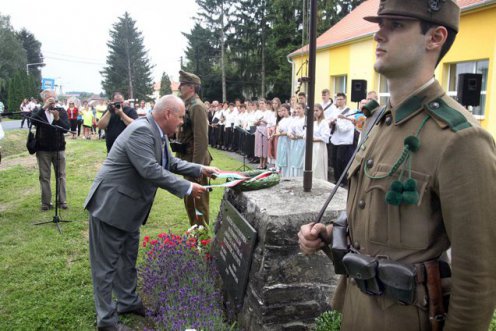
x: 45, y: 276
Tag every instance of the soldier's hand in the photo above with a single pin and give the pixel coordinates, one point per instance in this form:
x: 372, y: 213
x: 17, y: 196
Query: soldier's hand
x: 197, y: 190
x: 310, y: 236
x: 209, y: 171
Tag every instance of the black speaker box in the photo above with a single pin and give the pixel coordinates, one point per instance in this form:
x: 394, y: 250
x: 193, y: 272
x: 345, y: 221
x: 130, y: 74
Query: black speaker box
x: 358, y: 90
x: 469, y: 89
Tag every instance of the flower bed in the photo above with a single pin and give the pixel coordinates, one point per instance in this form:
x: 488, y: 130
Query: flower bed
x: 178, y: 280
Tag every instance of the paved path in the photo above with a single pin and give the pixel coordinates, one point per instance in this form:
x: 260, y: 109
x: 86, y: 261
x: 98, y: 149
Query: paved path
x: 14, y: 124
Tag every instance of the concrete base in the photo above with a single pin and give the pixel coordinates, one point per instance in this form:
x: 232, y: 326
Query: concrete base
x: 286, y: 289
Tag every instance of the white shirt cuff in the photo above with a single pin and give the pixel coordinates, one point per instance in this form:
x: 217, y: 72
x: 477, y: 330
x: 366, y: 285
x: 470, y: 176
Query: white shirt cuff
x: 190, y: 189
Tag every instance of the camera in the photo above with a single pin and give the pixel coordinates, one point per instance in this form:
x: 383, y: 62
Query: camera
x: 112, y: 106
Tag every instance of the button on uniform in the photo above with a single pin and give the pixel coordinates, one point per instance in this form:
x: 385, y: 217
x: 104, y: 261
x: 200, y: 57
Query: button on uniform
x: 361, y: 204
x: 388, y: 120
x: 370, y: 163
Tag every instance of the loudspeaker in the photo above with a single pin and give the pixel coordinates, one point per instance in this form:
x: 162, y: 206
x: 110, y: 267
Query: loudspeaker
x: 469, y: 89
x: 358, y: 90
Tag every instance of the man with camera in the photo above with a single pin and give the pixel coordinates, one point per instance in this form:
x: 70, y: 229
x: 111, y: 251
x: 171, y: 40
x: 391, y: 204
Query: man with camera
x: 116, y: 119
x: 49, y: 143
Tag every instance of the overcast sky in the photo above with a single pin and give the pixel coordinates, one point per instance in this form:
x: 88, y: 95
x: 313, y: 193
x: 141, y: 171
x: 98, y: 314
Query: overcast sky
x: 74, y: 34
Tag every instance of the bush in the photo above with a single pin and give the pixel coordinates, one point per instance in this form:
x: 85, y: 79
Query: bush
x: 178, y: 283
x: 328, y: 321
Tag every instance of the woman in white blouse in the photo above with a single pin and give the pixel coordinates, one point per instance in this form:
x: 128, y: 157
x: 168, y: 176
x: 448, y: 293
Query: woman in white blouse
x: 321, y: 133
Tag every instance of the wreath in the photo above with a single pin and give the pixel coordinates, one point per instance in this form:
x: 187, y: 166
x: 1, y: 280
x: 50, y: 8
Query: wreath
x: 257, y: 179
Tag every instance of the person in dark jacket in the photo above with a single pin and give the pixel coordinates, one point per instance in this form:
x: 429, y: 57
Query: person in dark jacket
x: 50, y: 147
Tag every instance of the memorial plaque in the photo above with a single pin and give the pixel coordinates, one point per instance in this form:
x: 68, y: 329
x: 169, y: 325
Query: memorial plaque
x: 233, y: 249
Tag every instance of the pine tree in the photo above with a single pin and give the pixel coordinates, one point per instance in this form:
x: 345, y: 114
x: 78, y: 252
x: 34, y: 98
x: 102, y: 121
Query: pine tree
x: 165, y: 85
x: 128, y: 68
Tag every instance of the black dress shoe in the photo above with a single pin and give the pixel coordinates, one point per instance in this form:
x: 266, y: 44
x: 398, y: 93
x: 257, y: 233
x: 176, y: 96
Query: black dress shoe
x: 117, y: 327
x: 139, y: 310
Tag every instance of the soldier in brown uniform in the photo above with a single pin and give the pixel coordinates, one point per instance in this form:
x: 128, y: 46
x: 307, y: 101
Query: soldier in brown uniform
x: 193, y: 137
x: 421, y: 183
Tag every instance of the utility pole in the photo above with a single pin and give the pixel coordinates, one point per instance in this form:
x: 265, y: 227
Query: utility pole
x: 307, y: 174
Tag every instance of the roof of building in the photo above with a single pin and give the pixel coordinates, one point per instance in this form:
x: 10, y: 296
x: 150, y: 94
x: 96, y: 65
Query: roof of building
x: 353, y: 26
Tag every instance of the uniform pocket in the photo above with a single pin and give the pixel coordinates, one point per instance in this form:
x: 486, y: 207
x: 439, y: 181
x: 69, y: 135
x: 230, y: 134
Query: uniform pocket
x: 404, y: 226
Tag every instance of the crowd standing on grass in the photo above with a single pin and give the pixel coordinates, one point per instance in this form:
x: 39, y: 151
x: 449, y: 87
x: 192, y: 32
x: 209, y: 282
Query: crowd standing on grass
x: 273, y: 134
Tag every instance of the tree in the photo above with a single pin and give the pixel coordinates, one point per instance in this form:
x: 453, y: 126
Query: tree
x: 33, y: 53
x: 215, y: 14
x: 20, y: 86
x: 12, y: 54
x: 202, y: 55
x: 128, y: 68
x: 165, y: 85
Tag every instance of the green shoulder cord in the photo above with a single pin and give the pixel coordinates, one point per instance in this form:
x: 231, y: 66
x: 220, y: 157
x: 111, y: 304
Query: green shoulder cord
x: 403, y: 192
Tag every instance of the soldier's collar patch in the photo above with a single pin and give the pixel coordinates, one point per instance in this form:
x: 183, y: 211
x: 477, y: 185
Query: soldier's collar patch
x: 408, y: 108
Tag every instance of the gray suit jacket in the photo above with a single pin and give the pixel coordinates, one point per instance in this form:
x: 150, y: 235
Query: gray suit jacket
x: 124, y: 188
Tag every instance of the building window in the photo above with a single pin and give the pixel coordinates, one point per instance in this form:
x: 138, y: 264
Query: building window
x: 339, y: 83
x: 383, y: 90
x: 473, y: 67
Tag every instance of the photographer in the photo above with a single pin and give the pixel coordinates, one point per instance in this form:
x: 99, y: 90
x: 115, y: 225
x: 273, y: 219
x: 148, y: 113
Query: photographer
x: 115, y: 119
x: 49, y: 142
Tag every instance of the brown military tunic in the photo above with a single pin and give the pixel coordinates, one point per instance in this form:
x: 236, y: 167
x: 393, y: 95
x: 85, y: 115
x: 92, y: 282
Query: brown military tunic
x: 194, y: 134
x: 455, y: 168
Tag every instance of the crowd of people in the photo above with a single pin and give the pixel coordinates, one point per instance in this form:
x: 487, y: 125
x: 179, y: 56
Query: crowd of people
x: 84, y: 116
x: 273, y: 134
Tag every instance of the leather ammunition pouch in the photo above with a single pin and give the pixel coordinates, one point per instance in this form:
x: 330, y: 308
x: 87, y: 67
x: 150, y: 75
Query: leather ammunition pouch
x: 339, y: 245
x: 178, y: 147
x: 363, y: 269
x: 398, y: 279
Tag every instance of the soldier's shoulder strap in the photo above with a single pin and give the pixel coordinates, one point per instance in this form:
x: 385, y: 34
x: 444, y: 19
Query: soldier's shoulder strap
x: 448, y: 113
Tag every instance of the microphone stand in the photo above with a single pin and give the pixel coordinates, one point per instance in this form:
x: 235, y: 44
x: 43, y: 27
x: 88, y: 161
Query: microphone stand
x: 245, y: 138
x: 56, y: 218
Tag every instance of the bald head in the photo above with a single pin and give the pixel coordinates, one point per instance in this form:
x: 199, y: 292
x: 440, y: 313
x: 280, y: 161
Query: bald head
x: 169, y: 113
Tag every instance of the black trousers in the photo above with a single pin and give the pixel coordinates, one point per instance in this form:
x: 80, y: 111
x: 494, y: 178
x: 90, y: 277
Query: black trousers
x: 342, y: 155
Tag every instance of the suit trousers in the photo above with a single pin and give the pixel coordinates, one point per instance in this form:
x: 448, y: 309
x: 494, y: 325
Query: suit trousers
x: 113, y: 254
x: 202, y: 204
x: 45, y: 160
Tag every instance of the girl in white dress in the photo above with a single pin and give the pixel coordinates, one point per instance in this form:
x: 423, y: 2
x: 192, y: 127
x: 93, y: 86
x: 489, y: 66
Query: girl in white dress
x: 321, y: 134
x: 297, y: 145
x: 283, y: 141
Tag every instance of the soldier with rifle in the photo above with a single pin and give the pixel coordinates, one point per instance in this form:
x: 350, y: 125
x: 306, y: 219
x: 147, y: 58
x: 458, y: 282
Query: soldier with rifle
x: 422, y: 182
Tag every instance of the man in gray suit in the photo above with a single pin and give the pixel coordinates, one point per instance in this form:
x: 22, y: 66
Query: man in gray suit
x: 120, y: 200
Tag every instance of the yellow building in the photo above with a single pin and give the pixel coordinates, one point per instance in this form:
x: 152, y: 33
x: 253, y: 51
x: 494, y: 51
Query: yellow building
x: 346, y: 52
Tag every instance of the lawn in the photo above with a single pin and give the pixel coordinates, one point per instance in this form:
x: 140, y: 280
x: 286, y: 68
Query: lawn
x: 46, y: 282
x: 45, y: 276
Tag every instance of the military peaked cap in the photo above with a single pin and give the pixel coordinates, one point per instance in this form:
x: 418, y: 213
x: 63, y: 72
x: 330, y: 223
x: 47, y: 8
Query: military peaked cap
x: 442, y: 12
x: 188, y: 78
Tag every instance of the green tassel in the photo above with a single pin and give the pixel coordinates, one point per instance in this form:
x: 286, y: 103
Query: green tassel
x: 410, y: 197
x: 410, y: 185
x: 412, y: 142
x: 394, y: 198
x: 396, y: 186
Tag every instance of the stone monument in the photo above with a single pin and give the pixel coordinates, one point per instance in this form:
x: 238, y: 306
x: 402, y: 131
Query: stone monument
x: 283, y: 289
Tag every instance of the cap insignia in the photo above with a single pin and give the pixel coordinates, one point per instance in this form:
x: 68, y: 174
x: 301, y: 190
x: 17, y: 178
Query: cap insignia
x: 435, y: 5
